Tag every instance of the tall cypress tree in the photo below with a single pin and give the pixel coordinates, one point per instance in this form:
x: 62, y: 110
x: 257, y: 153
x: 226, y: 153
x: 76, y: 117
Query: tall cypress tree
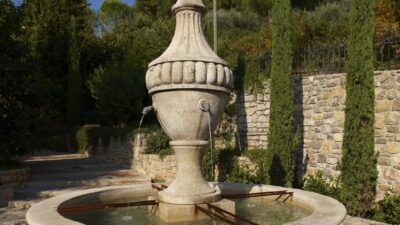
x: 74, y: 76
x: 358, y: 165
x: 280, y: 165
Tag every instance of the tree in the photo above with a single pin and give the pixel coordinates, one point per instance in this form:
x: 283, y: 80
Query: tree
x: 358, y: 164
x: 386, y: 23
x: 154, y: 8
x: 47, y: 30
x: 281, y: 145
x: 74, y: 77
x: 16, y: 115
x: 119, y: 91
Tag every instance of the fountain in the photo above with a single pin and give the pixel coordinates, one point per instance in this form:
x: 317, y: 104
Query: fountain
x: 189, y: 85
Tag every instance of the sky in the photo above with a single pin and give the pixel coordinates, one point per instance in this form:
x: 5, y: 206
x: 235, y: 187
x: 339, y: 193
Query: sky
x: 94, y: 4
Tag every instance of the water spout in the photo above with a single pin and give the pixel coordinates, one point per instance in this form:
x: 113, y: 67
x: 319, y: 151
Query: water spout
x: 146, y: 111
x: 205, y: 107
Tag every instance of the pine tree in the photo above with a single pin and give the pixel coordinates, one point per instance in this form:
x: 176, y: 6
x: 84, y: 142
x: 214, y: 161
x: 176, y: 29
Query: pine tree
x: 358, y: 164
x: 281, y: 162
x: 74, y: 77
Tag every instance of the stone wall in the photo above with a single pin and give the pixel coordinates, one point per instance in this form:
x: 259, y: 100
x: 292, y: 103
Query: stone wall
x: 319, y: 106
x: 131, y: 154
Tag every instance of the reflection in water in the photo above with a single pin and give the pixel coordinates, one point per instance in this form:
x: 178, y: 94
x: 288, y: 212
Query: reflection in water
x: 259, y: 210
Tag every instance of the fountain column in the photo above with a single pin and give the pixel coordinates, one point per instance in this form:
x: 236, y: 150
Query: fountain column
x: 187, y: 77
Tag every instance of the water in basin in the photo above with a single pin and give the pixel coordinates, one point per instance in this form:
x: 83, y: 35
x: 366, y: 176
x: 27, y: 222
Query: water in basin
x: 259, y: 210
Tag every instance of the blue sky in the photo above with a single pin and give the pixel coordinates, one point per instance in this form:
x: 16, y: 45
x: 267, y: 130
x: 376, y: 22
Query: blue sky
x: 94, y: 4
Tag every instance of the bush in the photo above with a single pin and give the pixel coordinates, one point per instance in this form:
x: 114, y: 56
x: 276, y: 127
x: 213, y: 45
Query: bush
x: 118, y: 92
x: 316, y: 183
x: 388, y: 209
x: 242, y: 174
x: 88, y: 136
x: 60, y: 142
x: 158, y: 143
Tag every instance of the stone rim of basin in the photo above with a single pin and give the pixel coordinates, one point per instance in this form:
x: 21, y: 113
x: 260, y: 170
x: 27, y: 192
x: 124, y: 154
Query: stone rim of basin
x: 325, y: 210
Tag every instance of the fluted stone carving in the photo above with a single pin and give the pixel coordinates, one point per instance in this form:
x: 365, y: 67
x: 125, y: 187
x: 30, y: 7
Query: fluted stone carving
x: 189, y: 59
x: 189, y: 72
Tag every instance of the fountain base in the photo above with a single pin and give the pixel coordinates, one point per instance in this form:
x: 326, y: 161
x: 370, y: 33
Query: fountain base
x: 172, y: 213
x: 189, y: 186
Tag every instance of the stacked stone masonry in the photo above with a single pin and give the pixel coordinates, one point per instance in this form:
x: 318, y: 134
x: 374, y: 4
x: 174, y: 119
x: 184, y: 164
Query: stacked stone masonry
x: 131, y: 153
x: 319, y: 106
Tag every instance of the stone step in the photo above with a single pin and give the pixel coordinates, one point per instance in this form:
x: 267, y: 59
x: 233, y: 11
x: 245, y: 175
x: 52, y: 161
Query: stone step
x: 53, y: 156
x: 74, y: 168
x: 94, y: 182
x: 81, y: 175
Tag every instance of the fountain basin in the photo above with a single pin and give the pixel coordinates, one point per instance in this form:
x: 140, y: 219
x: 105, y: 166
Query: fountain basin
x: 324, y: 210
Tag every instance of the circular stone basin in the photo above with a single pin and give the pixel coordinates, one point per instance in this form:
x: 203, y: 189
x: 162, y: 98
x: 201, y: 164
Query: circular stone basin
x: 303, y: 208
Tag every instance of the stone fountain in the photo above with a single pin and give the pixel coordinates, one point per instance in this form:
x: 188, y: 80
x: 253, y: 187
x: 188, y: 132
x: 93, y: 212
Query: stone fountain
x: 189, y: 84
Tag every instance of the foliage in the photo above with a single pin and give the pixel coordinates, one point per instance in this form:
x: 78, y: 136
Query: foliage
x: 317, y: 183
x: 386, y: 23
x: 88, y: 136
x: 358, y: 188
x: 11, y: 165
x: 243, y: 174
x: 158, y: 143
x: 16, y: 113
x: 388, y: 209
x: 221, y: 158
x: 74, y: 77
x: 281, y: 145
x: 118, y: 91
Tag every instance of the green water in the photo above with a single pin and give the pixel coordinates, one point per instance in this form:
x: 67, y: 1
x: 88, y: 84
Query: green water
x: 258, y: 210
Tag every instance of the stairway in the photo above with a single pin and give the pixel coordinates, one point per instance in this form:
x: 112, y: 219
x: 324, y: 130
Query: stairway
x: 62, y: 173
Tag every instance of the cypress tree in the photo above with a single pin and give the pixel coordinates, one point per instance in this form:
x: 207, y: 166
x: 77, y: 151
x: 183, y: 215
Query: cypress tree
x: 358, y: 163
x: 280, y: 164
x: 74, y: 77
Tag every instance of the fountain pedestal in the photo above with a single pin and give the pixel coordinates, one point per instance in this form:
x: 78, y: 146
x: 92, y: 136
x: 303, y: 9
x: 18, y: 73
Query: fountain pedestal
x: 189, y: 185
x: 172, y: 213
x: 189, y: 85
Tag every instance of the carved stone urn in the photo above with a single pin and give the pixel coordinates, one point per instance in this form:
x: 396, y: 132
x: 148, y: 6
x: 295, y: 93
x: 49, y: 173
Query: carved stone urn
x: 189, y: 85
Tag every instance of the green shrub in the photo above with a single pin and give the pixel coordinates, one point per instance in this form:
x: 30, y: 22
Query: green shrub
x: 59, y: 142
x: 158, y: 143
x: 317, y: 183
x: 388, y: 209
x: 219, y: 158
x: 242, y: 174
x: 88, y: 136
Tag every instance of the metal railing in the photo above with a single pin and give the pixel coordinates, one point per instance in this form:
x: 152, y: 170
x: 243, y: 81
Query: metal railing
x: 331, y: 57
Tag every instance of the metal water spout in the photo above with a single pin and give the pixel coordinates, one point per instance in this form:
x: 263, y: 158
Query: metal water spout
x: 189, y: 85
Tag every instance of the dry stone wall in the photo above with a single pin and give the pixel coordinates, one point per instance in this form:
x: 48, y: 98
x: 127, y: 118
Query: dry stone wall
x: 131, y: 153
x: 319, y: 106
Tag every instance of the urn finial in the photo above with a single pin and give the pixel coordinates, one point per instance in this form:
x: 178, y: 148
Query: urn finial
x: 182, y: 4
x: 189, y: 59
